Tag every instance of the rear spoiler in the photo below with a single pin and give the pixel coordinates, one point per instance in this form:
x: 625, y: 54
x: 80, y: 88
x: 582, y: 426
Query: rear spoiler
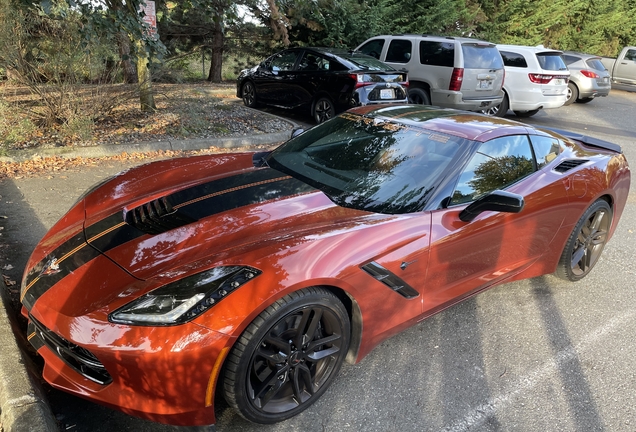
x: 591, y: 141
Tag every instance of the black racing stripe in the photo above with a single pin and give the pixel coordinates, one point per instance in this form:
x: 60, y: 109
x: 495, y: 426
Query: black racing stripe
x: 111, y: 232
x: 202, y: 201
x: 194, y: 203
x: 65, y: 259
x: 34, y: 337
x: 240, y: 197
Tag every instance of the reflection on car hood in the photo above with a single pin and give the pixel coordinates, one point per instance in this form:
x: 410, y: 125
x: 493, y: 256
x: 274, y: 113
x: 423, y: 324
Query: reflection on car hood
x: 214, y: 205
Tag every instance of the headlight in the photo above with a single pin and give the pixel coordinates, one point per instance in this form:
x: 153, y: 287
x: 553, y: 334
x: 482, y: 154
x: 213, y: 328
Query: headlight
x: 184, y: 300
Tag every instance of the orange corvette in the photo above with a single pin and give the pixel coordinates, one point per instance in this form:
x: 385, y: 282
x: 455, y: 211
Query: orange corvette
x: 256, y: 275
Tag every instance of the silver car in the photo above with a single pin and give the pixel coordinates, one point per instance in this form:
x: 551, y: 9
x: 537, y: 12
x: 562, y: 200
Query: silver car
x: 588, y: 77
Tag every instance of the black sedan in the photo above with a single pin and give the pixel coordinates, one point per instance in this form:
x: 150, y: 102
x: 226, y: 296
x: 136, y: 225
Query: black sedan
x: 326, y: 81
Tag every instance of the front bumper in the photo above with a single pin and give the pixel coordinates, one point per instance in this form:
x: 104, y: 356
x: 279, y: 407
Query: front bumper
x: 163, y: 374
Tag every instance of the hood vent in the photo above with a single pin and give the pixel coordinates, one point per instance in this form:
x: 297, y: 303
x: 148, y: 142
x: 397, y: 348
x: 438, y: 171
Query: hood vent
x: 156, y: 217
x: 569, y: 164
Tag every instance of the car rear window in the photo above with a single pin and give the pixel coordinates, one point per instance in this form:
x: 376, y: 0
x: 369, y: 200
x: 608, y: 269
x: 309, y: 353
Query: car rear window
x: 595, y: 63
x: 551, y: 61
x: 368, y: 63
x: 513, y: 59
x: 481, y: 57
x: 437, y: 53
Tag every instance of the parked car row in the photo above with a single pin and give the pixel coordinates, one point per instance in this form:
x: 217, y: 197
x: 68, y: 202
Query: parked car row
x: 449, y: 72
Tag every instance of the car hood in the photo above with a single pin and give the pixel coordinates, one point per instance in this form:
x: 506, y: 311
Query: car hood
x: 215, y: 206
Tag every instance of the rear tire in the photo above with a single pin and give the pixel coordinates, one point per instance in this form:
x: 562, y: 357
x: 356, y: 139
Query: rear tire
x: 573, y: 94
x: 585, y: 244
x: 526, y: 113
x: 323, y: 110
x: 287, y: 357
x: 419, y: 96
x: 499, y: 110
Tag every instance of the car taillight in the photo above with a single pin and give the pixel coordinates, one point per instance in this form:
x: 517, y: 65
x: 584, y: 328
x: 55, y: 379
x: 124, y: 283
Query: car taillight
x: 359, y: 80
x: 456, y: 79
x: 545, y: 79
x: 590, y: 74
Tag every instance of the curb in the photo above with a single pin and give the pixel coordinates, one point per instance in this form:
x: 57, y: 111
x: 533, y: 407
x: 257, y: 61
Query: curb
x: 23, y: 408
x: 22, y: 404
x: 144, y: 147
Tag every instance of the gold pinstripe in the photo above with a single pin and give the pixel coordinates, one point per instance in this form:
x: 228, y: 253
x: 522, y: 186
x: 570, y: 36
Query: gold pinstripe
x: 37, y: 278
x: 230, y: 190
x: 31, y: 336
x: 119, y: 225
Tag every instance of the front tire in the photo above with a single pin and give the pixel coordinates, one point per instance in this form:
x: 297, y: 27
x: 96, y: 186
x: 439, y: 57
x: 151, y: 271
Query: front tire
x: 323, y: 110
x: 287, y: 357
x: 248, y: 93
x: 585, y: 244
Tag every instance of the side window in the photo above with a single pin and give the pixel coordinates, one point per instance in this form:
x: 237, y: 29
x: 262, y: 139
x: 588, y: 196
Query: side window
x: 546, y: 149
x: 284, y: 61
x: 513, y: 59
x: 313, y: 63
x: 399, y: 51
x: 630, y: 55
x: 437, y: 53
x: 568, y: 59
x: 373, y: 48
x: 496, y: 164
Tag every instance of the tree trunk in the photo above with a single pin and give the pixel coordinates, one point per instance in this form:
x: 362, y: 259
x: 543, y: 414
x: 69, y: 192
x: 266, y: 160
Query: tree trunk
x: 123, y: 44
x: 217, y: 52
x: 146, y: 98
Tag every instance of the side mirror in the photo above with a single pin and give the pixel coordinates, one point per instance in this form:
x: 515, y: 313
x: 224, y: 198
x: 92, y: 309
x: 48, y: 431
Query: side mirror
x: 500, y: 201
x: 297, y: 131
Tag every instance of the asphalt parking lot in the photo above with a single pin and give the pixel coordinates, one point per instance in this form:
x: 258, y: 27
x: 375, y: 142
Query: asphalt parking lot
x: 537, y: 355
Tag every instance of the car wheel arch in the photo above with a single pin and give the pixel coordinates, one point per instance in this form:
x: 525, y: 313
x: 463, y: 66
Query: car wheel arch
x: 354, y: 313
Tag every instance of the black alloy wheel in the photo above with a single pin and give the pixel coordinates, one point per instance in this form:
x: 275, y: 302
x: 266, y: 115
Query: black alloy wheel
x: 585, y: 244
x: 287, y: 357
x: 323, y: 110
x: 419, y: 96
x: 249, y: 94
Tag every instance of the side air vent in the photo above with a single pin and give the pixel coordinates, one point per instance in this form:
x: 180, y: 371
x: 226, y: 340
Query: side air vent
x: 569, y: 164
x: 156, y: 217
x: 389, y: 279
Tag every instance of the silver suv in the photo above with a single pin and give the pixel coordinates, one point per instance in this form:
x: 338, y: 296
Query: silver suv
x: 450, y: 72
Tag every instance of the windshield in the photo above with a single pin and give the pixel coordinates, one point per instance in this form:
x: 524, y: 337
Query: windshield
x: 368, y: 163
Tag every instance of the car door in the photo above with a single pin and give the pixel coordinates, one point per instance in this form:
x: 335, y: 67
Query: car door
x: 274, y: 78
x: 625, y: 69
x: 311, y: 76
x: 468, y: 256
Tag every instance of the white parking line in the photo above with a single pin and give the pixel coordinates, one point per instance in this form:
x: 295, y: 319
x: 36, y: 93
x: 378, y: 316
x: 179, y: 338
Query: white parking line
x: 479, y: 414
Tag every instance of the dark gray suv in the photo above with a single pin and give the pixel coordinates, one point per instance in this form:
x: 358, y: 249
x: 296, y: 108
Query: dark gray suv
x: 450, y: 72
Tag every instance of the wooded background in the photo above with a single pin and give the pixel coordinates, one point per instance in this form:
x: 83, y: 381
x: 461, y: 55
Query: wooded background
x: 52, y: 46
